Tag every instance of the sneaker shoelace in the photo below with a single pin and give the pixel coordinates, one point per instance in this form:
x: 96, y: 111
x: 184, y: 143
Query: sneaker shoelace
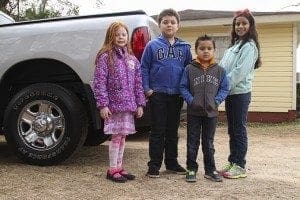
x: 228, y: 167
x: 235, y: 169
x: 191, y: 173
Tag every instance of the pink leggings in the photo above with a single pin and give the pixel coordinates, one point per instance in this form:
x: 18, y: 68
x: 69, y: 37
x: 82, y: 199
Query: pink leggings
x: 116, y: 151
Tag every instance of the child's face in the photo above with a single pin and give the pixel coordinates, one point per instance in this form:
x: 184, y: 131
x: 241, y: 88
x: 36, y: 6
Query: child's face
x: 242, y: 26
x: 121, y: 37
x: 205, y: 50
x: 169, y: 26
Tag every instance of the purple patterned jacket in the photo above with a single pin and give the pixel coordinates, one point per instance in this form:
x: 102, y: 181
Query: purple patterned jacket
x: 120, y: 90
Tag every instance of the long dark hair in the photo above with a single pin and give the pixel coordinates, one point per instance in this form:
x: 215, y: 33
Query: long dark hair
x: 251, y: 34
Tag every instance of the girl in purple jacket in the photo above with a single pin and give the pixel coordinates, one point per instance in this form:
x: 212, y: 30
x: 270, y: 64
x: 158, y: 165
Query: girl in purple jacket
x: 119, y: 94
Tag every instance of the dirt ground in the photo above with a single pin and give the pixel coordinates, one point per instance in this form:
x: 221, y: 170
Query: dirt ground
x: 273, y: 164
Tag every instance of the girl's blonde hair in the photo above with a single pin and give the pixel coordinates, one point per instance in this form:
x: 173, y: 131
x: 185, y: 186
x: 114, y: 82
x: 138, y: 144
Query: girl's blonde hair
x: 109, y: 42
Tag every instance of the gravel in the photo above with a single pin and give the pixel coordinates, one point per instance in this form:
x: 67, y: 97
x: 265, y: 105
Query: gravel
x: 273, y: 164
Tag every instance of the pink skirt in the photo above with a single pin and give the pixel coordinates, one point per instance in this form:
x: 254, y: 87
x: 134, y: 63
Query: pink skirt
x: 120, y: 123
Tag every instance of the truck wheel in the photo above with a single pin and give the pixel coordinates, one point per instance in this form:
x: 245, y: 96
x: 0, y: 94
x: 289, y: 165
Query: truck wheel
x: 45, y: 124
x: 95, y: 138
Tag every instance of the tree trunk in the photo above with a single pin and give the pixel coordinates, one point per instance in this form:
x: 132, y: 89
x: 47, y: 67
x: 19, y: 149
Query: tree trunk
x: 3, y: 4
x: 43, y: 5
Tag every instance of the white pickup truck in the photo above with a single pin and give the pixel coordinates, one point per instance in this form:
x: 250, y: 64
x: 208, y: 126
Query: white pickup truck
x: 47, y: 109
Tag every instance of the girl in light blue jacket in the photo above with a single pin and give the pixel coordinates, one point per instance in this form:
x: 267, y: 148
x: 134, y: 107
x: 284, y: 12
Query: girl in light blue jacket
x: 239, y: 60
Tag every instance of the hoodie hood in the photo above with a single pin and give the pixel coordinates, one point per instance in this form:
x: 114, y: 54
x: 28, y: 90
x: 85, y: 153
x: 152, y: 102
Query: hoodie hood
x: 196, y: 64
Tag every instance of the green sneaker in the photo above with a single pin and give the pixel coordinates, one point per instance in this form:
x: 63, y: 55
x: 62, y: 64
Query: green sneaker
x: 235, y: 172
x: 190, y: 176
x: 226, y: 168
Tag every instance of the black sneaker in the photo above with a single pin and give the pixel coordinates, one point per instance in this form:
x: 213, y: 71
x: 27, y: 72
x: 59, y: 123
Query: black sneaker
x: 214, y: 176
x: 153, y: 173
x: 127, y: 175
x: 177, y: 169
x: 116, y: 177
x: 190, y: 176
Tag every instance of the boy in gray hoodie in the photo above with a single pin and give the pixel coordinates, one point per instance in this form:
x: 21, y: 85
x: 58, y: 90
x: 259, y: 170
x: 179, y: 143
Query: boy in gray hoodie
x: 204, y: 86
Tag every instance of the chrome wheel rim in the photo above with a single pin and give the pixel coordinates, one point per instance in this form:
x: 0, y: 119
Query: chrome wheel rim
x: 41, y: 125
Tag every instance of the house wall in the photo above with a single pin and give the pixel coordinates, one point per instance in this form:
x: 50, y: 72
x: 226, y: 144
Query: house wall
x: 273, y: 82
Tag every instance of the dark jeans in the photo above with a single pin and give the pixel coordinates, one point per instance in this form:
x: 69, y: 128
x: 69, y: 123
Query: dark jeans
x: 205, y: 127
x: 236, y: 110
x: 165, y: 116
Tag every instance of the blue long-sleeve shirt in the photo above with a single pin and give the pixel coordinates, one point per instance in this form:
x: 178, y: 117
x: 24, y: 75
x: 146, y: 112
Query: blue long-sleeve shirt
x: 162, y: 65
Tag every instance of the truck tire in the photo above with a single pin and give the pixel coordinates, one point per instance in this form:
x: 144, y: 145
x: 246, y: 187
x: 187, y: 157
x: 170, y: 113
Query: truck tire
x: 95, y: 138
x: 45, y: 124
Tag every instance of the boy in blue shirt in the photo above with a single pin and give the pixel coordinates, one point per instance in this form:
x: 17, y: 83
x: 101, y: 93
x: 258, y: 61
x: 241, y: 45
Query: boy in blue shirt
x: 162, y: 64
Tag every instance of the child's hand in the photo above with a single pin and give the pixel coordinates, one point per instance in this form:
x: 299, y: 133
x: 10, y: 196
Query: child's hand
x: 105, y: 113
x: 149, y: 93
x: 139, y: 112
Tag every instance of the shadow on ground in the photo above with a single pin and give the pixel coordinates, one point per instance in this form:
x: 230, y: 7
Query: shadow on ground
x: 87, y: 155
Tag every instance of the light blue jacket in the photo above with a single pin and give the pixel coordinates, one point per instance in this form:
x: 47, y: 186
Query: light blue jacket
x: 239, y: 65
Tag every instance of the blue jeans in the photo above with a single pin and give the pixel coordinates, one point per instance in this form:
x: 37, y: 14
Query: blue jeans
x: 165, y: 117
x: 236, y: 110
x: 204, y: 127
